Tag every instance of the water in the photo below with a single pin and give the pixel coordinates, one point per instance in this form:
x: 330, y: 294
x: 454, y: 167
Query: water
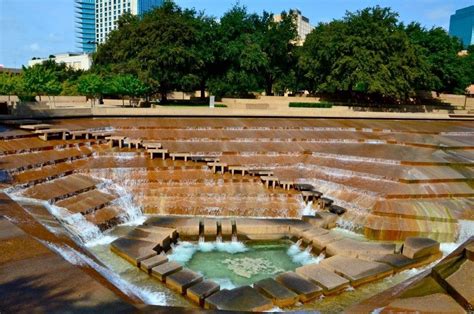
x: 234, y: 264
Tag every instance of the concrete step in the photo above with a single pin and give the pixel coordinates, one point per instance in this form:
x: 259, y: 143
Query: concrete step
x: 87, y: 202
x: 106, y: 217
x: 62, y: 188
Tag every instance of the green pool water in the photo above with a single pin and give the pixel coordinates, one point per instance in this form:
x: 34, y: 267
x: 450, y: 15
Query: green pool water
x: 235, y: 267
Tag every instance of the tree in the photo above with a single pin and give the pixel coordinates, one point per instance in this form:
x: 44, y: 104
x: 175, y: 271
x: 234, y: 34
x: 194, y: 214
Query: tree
x: 440, y: 51
x: 40, y: 80
x: 91, y: 85
x: 278, y: 44
x: 10, y: 84
x: 240, y: 58
x: 128, y: 85
x: 157, y: 48
x: 367, y: 53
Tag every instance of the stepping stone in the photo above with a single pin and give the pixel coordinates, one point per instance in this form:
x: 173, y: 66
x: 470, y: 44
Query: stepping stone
x: 201, y: 291
x: 164, y: 270
x: 326, y: 279
x: 242, y: 299
x: 338, y: 210
x: 356, y: 270
x: 148, y: 264
x: 162, y: 239
x: 279, y: 294
x: 462, y: 281
x: 470, y: 252
x: 397, y: 261
x: 133, y: 250
x: 415, y: 247
x: 320, y: 242
x: 305, y: 289
x: 329, y: 219
x: 182, y: 280
x: 438, y: 303
x: 355, y: 248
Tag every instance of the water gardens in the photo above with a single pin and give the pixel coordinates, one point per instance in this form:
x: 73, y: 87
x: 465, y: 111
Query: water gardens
x: 233, y: 212
x: 310, y: 214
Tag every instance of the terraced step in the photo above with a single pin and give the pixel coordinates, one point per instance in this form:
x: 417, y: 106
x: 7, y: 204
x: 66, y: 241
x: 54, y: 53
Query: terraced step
x: 50, y: 172
x: 61, y: 188
x: 19, y: 162
x: 87, y: 202
x: 107, y: 217
x: 35, y: 144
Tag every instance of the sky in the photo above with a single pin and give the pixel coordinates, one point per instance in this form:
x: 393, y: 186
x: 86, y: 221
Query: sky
x: 38, y: 28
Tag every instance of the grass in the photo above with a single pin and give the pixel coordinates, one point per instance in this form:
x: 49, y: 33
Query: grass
x: 311, y: 104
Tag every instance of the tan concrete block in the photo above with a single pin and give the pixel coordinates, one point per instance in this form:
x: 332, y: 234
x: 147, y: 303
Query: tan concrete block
x: 356, y: 270
x: 326, y: 279
x: 432, y: 303
x: 415, y: 247
x: 279, y: 294
x: 305, y: 289
x: 355, y: 248
x: 180, y: 281
x: 147, y: 264
x: 164, y: 270
x: 200, y: 291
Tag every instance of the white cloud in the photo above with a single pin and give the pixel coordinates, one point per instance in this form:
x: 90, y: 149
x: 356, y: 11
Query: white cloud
x: 34, y: 47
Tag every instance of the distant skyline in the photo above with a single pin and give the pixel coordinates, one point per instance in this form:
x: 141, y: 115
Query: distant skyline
x: 38, y: 28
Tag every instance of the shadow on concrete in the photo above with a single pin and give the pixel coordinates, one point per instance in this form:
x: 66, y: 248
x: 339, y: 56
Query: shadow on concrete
x: 29, y: 294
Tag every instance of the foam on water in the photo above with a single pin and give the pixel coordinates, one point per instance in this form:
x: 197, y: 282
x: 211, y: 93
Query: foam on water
x: 82, y: 230
x: 308, y: 210
x: 224, y: 283
x: 184, y: 251
x: 303, y: 257
x: 466, y: 230
x: 76, y: 258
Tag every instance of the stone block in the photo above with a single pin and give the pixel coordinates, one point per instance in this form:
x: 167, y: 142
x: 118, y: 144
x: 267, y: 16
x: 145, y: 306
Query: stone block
x: 320, y: 242
x: 147, y: 264
x: 462, y: 281
x: 239, y: 299
x: 329, y: 219
x: 226, y: 225
x: 305, y: 289
x: 180, y: 281
x: 164, y: 270
x: 210, y: 228
x: 432, y: 303
x: 415, y: 247
x: 162, y: 239
x: 200, y: 291
x: 470, y: 252
x: 279, y: 294
x: 133, y: 250
x: 356, y: 270
x: 354, y: 248
x: 338, y: 210
x: 397, y: 261
x: 326, y: 279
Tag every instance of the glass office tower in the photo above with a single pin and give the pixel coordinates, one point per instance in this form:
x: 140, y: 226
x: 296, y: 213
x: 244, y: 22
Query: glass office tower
x: 462, y: 25
x: 85, y: 25
x: 95, y: 19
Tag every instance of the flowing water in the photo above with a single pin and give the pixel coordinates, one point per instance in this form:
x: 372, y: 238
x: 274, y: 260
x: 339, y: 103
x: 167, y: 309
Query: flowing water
x: 237, y: 264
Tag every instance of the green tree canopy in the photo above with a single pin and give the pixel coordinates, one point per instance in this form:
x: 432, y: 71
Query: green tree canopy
x: 368, y: 52
x: 156, y: 47
x: 10, y: 84
x: 40, y: 80
x: 127, y: 85
x: 440, y: 51
x: 91, y: 85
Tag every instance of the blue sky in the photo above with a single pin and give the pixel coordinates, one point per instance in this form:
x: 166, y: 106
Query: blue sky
x: 38, y: 28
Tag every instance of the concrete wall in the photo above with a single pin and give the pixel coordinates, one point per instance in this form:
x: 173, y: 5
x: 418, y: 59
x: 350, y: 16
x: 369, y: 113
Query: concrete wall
x: 269, y: 102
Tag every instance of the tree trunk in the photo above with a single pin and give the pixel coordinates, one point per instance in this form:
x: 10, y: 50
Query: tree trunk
x: 269, y: 86
x: 203, y: 89
x: 39, y: 97
x: 164, y: 96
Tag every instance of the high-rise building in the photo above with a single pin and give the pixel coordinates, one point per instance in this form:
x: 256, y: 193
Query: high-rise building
x: 303, y: 25
x: 85, y: 25
x: 462, y: 25
x: 97, y: 18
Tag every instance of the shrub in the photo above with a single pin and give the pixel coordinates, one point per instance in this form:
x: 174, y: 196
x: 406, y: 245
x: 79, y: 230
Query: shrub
x: 311, y: 105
